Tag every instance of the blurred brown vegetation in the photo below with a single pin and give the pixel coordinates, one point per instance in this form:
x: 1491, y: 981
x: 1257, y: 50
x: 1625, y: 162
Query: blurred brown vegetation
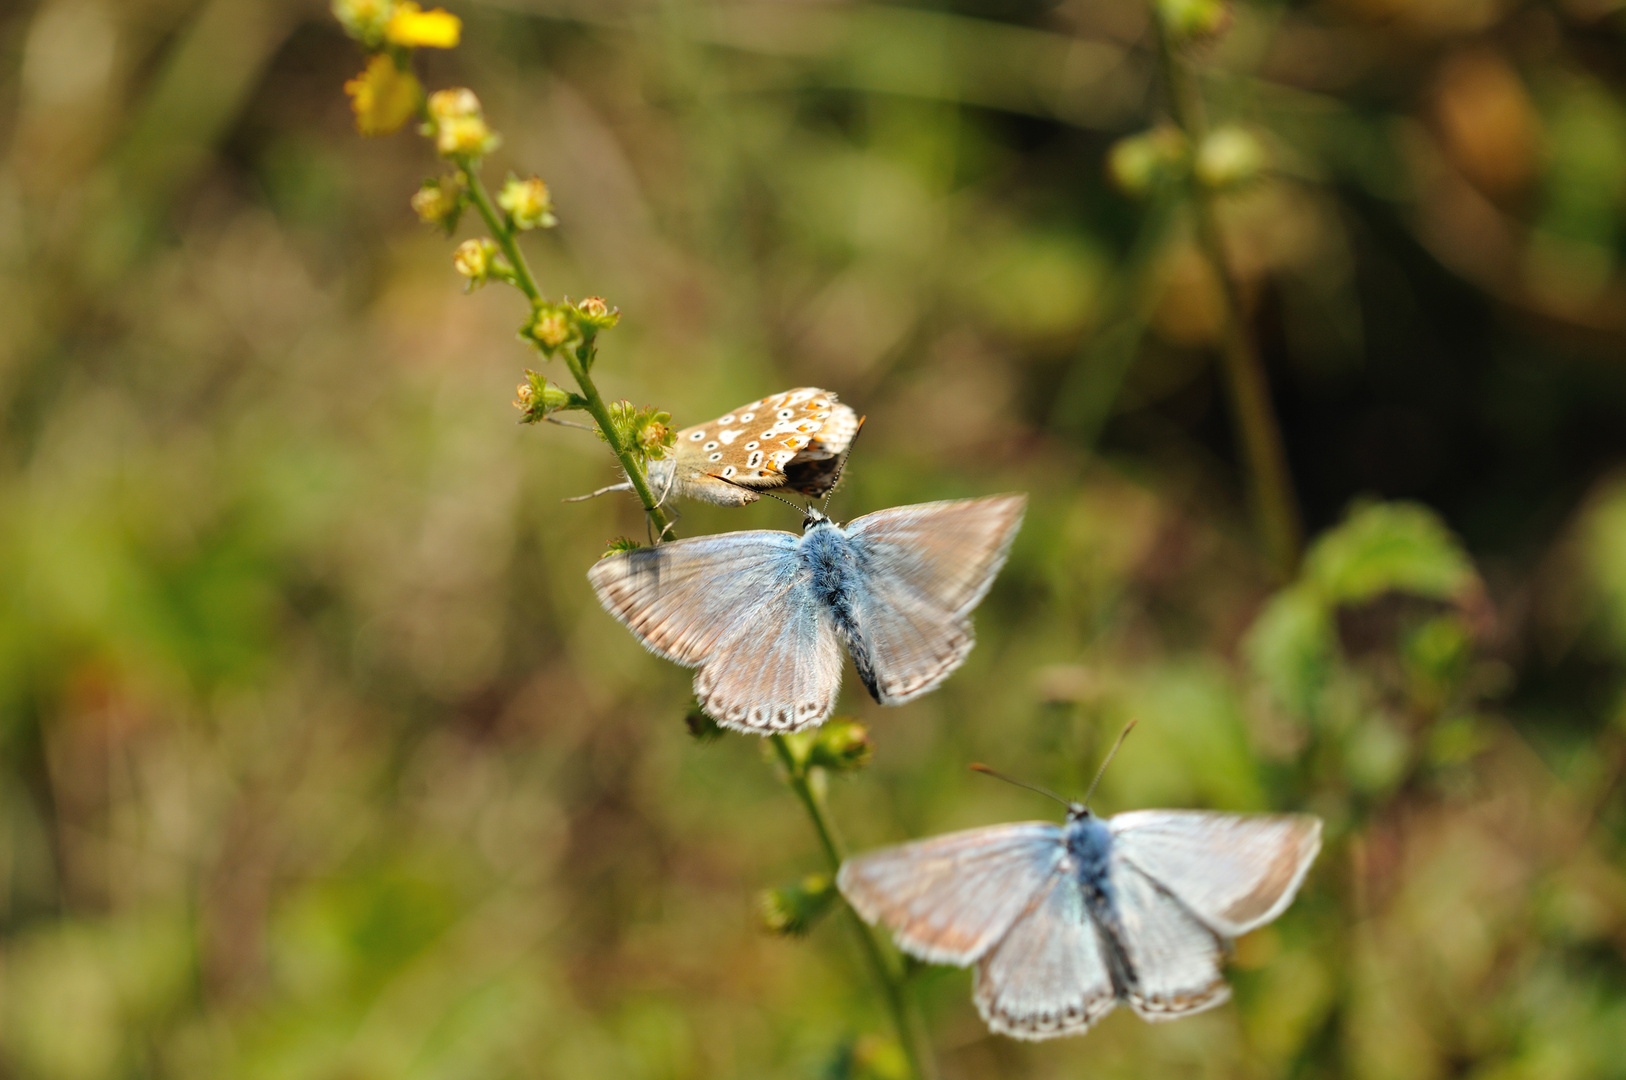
x: 318, y: 760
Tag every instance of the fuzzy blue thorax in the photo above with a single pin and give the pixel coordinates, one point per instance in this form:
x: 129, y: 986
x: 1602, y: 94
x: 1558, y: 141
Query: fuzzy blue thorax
x: 831, y: 561
x: 1089, y: 849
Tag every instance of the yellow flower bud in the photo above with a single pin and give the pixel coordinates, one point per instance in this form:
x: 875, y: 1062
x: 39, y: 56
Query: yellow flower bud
x: 452, y: 104
x: 528, y: 203
x: 457, y: 126
x: 477, y: 260
x: 412, y: 27
x: 593, y: 314
x: 384, y: 97
x: 439, y: 203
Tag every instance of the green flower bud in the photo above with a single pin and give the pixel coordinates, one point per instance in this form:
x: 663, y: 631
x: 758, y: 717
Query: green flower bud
x: 1230, y: 156
x: 1138, y: 163
x: 1194, y: 20
x: 874, y: 1057
x: 841, y: 745
x: 536, y: 399
x: 791, y: 910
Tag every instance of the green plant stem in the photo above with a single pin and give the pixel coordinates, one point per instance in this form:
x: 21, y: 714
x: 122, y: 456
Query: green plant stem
x: 910, y: 1034
x: 1270, y: 485
x: 577, y: 362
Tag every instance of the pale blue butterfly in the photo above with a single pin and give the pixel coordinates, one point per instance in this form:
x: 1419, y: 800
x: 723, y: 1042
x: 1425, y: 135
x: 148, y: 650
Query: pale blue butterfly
x: 761, y: 613
x: 1065, y: 921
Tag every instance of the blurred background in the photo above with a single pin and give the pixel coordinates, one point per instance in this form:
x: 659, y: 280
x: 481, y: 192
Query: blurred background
x: 319, y: 760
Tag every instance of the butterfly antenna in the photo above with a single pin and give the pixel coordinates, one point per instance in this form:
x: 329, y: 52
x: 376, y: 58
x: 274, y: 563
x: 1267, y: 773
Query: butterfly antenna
x: 798, y: 507
x: 841, y: 466
x: 1102, y: 771
x: 977, y: 766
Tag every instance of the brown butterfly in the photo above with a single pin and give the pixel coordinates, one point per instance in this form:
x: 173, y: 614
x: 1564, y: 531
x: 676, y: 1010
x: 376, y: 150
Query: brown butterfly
x: 788, y: 442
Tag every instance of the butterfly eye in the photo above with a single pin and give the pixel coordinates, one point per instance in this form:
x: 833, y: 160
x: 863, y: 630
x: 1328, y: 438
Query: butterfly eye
x: 752, y: 445
x: 697, y: 436
x: 754, y: 460
x: 728, y: 472
x: 786, y: 414
x: 710, y: 446
x: 746, y: 418
x: 729, y: 419
x: 716, y: 457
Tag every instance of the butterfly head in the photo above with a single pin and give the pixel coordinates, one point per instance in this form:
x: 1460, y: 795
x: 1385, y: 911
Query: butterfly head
x: 1077, y: 811
x: 812, y: 516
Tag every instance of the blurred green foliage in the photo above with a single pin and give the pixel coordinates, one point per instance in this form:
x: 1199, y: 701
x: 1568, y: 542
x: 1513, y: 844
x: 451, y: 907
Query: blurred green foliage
x: 317, y: 759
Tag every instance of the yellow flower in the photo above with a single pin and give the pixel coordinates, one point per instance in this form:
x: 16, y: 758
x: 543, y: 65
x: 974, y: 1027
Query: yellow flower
x: 413, y: 27
x: 384, y: 97
x: 527, y: 202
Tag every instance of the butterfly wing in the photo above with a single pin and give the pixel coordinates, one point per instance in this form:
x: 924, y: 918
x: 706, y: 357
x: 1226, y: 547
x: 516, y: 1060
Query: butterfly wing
x: 737, y: 607
x: 1233, y: 871
x: 681, y: 599
x: 728, y: 460
x: 923, y: 569
x: 1048, y: 975
x: 1173, y: 959
x: 813, y: 471
x: 947, y: 900
x: 779, y: 672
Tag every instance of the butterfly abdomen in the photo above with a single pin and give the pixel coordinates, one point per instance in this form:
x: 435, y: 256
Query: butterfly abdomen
x: 831, y: 563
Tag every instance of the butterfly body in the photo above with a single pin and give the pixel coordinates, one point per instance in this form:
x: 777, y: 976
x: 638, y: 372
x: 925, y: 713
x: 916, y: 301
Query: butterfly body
x: 763, y: 614
x: 790, y: 441
x: 1063, y: 922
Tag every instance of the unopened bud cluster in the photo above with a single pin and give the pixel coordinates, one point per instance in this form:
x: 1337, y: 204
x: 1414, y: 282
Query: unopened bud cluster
x: 1227, y: 157
x: 387, y: 94
x: 401, y: 24
x: 564, y: 325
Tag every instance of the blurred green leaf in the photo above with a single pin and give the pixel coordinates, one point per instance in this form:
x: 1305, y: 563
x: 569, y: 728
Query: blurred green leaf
x: 1390, y: 546
x: 1292, y: 648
